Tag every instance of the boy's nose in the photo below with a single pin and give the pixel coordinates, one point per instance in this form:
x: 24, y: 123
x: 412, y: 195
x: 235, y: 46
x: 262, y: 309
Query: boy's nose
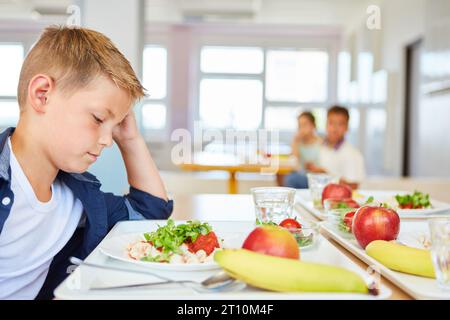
x: 106, y: 140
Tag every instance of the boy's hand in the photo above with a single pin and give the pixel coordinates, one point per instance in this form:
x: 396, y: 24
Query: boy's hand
x: 127, y: 130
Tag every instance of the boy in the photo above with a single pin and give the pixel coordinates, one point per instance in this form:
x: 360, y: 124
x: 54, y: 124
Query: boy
x: 337, y: 156
x: 75, y: 93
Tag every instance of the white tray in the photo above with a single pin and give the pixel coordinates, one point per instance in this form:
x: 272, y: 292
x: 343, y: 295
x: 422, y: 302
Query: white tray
x: 417, y: 287
x: 440, y: 209
x: 77, y: 285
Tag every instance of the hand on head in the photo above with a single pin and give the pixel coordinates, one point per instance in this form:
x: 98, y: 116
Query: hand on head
x: 127, y: 129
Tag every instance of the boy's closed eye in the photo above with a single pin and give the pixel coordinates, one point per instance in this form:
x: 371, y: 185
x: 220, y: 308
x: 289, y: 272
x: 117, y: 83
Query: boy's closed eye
x: 97, y: 119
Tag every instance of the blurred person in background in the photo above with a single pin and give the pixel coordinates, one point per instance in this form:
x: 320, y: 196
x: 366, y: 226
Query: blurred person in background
x: 337, y: 156
x: 305, y: 147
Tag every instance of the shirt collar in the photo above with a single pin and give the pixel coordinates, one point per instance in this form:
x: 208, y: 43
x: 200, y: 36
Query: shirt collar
x: 336, y: 146
x: 5, y: 153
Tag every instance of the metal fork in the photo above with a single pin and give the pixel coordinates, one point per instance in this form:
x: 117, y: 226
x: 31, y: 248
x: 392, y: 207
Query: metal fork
x: 216, y: 282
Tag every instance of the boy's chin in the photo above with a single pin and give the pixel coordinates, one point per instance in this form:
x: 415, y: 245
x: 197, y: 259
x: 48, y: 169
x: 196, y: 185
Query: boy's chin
x: 81, y: 168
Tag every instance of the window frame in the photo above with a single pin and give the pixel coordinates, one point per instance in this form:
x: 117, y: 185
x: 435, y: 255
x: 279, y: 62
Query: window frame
x: 228, y: 76
x: 329, y: 45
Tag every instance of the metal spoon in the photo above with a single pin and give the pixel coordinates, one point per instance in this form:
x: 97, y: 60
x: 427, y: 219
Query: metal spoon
x: 216, y: 282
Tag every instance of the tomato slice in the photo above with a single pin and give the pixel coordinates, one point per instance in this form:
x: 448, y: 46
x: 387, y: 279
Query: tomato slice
x: 290, y: 224
x: 206, y: 242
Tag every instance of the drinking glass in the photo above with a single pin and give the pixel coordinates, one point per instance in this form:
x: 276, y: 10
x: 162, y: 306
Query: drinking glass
x: 440, y: 250
x: 273, y: 204
x: 316, y: 183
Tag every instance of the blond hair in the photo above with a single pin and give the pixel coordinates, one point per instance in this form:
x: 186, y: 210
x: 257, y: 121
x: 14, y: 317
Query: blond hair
x: 73, y: 57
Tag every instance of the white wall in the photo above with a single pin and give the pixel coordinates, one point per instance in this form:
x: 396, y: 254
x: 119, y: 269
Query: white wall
x: 402, y: 22
x: 432, y: 149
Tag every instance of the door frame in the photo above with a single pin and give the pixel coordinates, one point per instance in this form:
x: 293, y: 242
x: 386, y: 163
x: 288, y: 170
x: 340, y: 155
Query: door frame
x: 408, y: 112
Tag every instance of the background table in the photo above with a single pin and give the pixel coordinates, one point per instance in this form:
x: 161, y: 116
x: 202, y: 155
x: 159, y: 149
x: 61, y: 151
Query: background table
x: 207, y: 161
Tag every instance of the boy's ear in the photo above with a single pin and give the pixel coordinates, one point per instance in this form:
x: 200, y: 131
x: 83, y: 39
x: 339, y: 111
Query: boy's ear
x: 39, y: 90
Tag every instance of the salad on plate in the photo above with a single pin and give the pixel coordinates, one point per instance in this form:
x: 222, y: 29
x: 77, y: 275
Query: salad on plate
x: 192, y: 242
x: 417, y: 200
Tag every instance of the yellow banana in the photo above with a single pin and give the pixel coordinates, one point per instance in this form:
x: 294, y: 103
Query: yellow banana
x: 287, y: 275
x: 402, y: 258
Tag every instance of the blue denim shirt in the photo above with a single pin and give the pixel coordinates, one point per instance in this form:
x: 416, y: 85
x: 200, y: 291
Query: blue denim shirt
x: 101, y: 212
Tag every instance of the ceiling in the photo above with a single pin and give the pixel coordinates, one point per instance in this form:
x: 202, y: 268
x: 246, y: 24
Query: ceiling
x: 304, y: 12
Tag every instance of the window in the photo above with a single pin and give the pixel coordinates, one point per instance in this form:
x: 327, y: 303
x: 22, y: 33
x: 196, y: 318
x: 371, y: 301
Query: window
x: 379, y: 90
x: 231, y: 103
x: 365, y: 66
x: 9, y: 113
x: 154, y: 116
x: 344, y: 75
x: 154, y: 108
x: 246, y: 88
x: 10, y: 65
x: 281, y: 118
x: 297, y: 76
x: 231, y: 87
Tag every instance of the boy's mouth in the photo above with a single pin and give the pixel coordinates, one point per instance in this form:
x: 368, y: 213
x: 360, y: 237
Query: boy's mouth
x: 93, y: 156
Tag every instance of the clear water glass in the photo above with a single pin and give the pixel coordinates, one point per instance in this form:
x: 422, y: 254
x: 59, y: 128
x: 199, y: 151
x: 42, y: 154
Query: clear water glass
x: 440, y: 250
x: 316, y: 183
x: 273, y: 204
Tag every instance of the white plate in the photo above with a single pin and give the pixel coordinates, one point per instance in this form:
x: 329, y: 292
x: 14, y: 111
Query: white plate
x: 115, y: 247
x: 439, y: 208
x: 416, y: 286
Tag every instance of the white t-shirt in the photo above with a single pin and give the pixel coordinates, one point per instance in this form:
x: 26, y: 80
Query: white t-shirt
x: 345, y: 162
x: 33, y: 234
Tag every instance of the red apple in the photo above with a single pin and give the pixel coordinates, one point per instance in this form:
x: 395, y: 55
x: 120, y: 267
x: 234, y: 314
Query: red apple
x: 372, y: 223
x: 272, y: 240
x: 336, y: 191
